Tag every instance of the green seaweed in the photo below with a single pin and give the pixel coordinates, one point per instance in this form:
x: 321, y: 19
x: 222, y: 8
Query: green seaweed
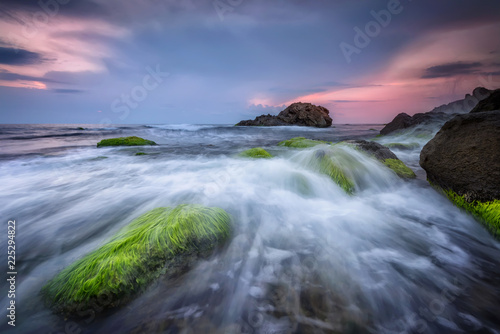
x: 141, y: 153
x: 335, y: 172
x: 125, y: 141
x: 136, y: 255
x: 488, y: 213
x: 256, y: 153
x: 301, y: 142
x: 400, y: 168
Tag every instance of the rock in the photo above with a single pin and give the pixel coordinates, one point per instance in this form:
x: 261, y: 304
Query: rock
x: 384, y: 155
x: 301, y: 142
x: 489, y: 104
x: 401, y: 121
x: 464, y: 156
x: 438, y: 115
x: 263, y: 120
x: 125, y: 141
x: 256, y: 153
x: 463, y: 159
x: 162, y: 241
x: 306, y: 114
x: 301, y: 114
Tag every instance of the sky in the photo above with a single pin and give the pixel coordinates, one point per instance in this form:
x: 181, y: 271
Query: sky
x: 221, y: 61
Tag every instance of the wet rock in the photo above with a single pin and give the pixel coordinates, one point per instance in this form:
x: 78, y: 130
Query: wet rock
x: 301, y: 114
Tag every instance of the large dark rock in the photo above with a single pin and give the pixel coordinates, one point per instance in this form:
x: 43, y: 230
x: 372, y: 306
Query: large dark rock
x: 464, y: 156
x: 437, y: 116
x: 301, y: 114
x: 489, y: 104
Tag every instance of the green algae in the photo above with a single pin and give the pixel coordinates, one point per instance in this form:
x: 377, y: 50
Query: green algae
x: 256, y: 153
x: 301, y: 142
x: 141, y: 153
x: 335, y: 172
x: 125, y: 141
x: 488, y: 213
x: 400, y: 168
x: 136, y: 255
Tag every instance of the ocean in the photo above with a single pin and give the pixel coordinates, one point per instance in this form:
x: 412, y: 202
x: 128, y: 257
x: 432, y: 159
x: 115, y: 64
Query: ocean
x: 305, y: 257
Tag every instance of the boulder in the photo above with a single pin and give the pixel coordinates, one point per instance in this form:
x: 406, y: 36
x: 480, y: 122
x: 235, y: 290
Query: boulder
x: 306, y: 114
x: 300, y: 114
x: 464, y: 156
x: 255, y: 153
x: 163, y: 241
x: 384, y: 155
x: 463, y: 160
x: 125, y: 141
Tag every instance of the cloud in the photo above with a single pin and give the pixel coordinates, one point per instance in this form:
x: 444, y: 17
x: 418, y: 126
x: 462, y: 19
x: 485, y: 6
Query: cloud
x: 68, y: 91
x: 11, y: 56
x: 451, y: 70
x: 9, y: 76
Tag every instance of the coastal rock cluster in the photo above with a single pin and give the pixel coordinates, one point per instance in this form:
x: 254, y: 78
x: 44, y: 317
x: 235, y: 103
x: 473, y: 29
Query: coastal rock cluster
x: 438, y: 115
x: 301, y: 114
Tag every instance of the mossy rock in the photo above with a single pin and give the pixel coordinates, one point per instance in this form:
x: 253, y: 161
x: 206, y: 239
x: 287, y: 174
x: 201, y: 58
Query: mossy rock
x: 301, y: 142
x: 155, y: 243
x: 141, y: 153
x: 327, y: 166
x: 488, y: 213
x: 80, y: 128
x: 400, y: 168
x: 256, y: 153
x: 401, y: 146
x: 125, y: 141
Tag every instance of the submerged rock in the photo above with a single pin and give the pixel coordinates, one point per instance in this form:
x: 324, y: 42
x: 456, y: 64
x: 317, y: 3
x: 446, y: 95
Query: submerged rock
x: 384, y: 155
x: 162, y: 241
x: 301, y: 142
x: 256, y: 153
x: 463, y: 159
x: 125, y: 141
x: 301, y: 114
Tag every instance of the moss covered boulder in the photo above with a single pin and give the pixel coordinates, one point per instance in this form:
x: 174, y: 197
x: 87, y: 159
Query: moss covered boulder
x: 327, y: 166
x: 162, y: 241
x: 301, y: 142
x: 384, y: 155
x: 400, y: 168
x: 256, y: 153
x: 125, y: 141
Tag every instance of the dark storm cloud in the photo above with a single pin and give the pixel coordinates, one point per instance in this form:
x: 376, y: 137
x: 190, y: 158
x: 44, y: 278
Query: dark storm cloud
x: 450, y: 70
x: 9, y: 76
x: 11, y: 56
x: 10, y: 9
